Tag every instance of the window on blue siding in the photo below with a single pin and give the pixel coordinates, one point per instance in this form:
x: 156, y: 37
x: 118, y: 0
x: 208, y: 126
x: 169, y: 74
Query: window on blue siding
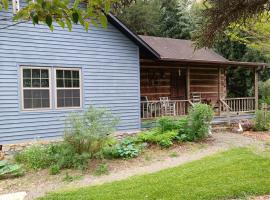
x: 68, y: 88
x: 35, y: 88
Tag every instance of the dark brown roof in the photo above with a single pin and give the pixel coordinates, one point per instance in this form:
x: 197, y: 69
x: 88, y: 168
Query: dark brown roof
x: 180, y: 49
x: 184, y: 51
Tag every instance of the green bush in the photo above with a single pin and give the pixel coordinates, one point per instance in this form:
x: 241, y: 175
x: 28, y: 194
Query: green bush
x: 199, y: 119
x: 264, y: 91
x: 61, y: 155
x: 154, y: 136
x: 167, y: 124
x: 89, y: 132
x: 35, y: 157
x: 9, y: 170
x: 262, y: 120
x: 102, y: 169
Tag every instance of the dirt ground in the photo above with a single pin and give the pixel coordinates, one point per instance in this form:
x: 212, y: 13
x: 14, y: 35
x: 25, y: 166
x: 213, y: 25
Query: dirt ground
x: 152, y: 160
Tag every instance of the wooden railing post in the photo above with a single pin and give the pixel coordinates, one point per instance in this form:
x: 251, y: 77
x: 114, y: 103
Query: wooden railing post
x: 256, y: 90
x: 188, y: 83
x: 219, y: 91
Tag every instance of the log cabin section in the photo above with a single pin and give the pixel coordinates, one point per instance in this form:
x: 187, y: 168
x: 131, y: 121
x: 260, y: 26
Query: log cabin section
x: 183, y: 77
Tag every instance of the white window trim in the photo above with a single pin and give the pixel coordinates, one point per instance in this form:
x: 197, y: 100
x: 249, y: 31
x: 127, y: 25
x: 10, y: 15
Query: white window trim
x: 30, y: 88
x: 16, y: 6
x: 56, y: 88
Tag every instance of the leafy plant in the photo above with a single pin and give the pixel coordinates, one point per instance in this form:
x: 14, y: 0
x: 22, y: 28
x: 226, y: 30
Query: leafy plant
x: 35, y: 157
x: 199, y: 119
x: 90, y: 131
x: 127, y: 148
x: 154, y: 136
x: 9, y: 170
x: 102, y: 169
x: 61, y: 155
x: 54, y: 169
x: 167, y: 124
x: 262, y: 120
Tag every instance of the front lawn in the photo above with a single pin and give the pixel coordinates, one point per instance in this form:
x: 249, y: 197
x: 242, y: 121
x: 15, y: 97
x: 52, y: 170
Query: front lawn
x: 232, y: 174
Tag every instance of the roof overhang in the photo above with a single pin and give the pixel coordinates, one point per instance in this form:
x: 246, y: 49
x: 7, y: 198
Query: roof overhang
x: 156, y: 57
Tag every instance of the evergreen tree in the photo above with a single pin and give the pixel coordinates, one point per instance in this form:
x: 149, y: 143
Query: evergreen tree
x: 175, y: 19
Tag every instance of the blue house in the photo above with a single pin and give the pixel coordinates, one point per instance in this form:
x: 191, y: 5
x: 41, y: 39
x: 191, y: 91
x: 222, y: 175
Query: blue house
x: 46, y: 75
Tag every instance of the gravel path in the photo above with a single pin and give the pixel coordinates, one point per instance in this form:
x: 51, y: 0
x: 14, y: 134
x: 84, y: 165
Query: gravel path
x: 219, y: 142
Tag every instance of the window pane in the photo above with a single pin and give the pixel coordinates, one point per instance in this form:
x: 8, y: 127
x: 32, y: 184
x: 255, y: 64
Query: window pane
x: 44, y: 73
x: 68, y: 102
x: 67, y: 74
x: 36, y: 103
x: 35, y: 82
x: 75, y: 74
x: 27, y: 94
x: 76, y: 93
x: 44, y: 94
x: 45, y: 83
x: 60, y: 103
x: 26, y: 73
x: 60, y: 94
x: 26, y: 82
x: 59, y: 74
x: 35, y: 73
x: 45, y: 103
x: 68, y: 93
x: 76, y: 102
x: 27, y: 103
x: 68, y: 83
x: 36, y: 94
x: 60, y: 83
x: 76, y: 83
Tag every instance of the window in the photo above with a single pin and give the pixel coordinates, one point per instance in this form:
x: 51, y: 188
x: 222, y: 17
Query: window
x: 35, y: 88
x: 68, y: 88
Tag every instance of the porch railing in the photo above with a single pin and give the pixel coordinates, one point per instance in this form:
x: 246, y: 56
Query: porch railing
x: 243, y: 104
x: 155, y: 109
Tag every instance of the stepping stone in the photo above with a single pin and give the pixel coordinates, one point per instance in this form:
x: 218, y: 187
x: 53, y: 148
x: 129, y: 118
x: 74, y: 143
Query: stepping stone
x: 13, y: 196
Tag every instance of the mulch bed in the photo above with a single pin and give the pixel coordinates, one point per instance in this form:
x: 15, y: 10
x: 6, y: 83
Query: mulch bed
x: 262, y: 136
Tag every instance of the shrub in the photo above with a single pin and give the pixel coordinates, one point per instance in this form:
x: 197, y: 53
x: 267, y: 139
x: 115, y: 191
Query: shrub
x: 54, y: 169
x: 61, y: 155
x: 90, y: 131
x: 199, y: 119
x: 264, y: 91
x: 127, y: 148
x: 9, y: 170
x: 154, y: 136
x: 35, y: 157
x: 167, y: 124
x: 262, y: 120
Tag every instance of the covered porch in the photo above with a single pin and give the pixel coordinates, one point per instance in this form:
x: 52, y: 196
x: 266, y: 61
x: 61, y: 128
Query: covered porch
x: 170, y: 88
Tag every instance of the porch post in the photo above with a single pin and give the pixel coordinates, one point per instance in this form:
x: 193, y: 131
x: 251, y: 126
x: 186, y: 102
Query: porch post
x: 256, y: 90
x: 219, y: 90
x: 188, y: 83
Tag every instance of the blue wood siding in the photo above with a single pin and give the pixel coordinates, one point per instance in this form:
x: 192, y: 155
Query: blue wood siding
x: 110, y: 70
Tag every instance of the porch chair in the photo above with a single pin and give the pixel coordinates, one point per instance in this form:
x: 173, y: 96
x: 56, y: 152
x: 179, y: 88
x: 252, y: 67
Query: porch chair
x: 145, y: 107
x: 196, y: 97
x: 167, y: 107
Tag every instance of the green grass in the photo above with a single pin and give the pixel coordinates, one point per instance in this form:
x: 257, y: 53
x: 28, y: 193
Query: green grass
x: 233, y: 174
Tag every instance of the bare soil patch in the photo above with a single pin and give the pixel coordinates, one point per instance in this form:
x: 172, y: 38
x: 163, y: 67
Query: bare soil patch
x: 262, y: 136
x: 37, y: 183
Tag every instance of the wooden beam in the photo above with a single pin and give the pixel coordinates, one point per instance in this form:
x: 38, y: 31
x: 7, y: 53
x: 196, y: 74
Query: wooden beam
x: 188, y: 83
x: 219, y: 89
x: 256, y: 90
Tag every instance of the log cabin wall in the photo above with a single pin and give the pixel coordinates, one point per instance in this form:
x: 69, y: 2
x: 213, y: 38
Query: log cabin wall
x: 159, y: 82
x: 206, y: 81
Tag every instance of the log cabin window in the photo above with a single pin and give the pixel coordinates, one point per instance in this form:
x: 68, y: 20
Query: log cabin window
x: 68, y: 88
x: 35, y: 88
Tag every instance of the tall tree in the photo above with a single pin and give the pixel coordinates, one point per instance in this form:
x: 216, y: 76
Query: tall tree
x: 143, y: 17
x: 218, y: 15
x: 175, y: 20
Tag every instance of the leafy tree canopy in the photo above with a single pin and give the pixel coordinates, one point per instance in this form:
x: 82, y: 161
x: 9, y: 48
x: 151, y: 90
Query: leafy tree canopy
x: 65, y: 13
x: 218, y: 15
